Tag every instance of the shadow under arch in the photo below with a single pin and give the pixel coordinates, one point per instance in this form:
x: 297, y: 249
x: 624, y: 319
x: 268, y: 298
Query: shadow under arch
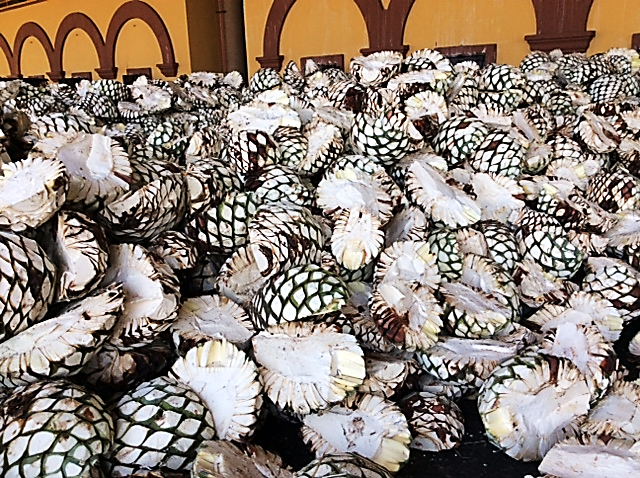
x: 83, y: 22
x: 31, y: 29
x: 6, y: 49
x: 142, y: 11
x: 385, y: 28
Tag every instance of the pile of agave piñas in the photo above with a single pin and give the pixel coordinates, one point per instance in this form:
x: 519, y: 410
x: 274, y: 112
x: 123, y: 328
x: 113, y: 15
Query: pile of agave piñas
x: 354, y: 252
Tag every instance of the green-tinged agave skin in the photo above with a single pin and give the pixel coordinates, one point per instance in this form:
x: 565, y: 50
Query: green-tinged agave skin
x: 160, y: 424
x: 459, y: 138
x: 292, y: 143
x: 224, y: 227
x: 499, y: 154
x: 53, y: 429
x: 542, y: 239
x: 444, y: 245
x: 298, y: 293
x: 381, y: 137
x: 28, y: 277
x: 502, y: 244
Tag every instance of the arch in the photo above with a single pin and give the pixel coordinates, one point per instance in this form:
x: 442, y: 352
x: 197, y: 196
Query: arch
x: 318, y: 29
x: 142, y: 11
x: 6, y: 49
x: 561, y: 24
x: 84, y: 23
x: 385, y: 25
x: 465, y: 27
x: 271, y: 57
x: 145, y: 55
x: 385, y: 28
x: 31, y: 29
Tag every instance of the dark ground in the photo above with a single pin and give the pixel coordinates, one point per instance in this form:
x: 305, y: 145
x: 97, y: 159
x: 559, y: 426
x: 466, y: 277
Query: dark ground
x: 475, y: 458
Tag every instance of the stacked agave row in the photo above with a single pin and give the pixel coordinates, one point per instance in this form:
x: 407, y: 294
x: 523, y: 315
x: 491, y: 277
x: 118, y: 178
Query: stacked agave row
x: 352, y: 252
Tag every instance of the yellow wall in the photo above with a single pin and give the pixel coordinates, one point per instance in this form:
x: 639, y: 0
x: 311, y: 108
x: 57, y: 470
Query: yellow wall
x: 37, y: 63
x: 323, y: 28
x: 437, y: 23
x: 255, y: 18
x: 77, y: 41
x: 614, y: 22
x: 136, y: 46
x: 316, y: 27
x: 146, y: 52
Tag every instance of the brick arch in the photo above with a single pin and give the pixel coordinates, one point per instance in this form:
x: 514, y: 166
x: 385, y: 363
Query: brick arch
x: 83, y: 22
x: 6, y: 49
x: 271, y: 57
x: 27, y: 30
x: 137, y: 9
x: 561, y: 24
x: 385, y: 28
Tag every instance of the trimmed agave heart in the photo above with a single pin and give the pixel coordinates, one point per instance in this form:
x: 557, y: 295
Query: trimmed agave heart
x: 365, y: 424
x: 81, y: 253
x: 159, y: 424
x: 54, y: 428
x: 144, y: 213
x: 436, y: 423
x: 28, y: 280
x: 307, y: 367
x: 223, y: 459
x: 60, y: 346
x: 31, y: 192
x: 151, y: 294
x: 98, y: 168
x: 207, y: 317
x: 227, y: 382
x: 531, y: 402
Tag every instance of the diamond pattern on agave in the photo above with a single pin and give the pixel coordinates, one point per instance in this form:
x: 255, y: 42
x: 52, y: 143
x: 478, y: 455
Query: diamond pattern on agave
x: 62, y: 345
x: 53, y: 429
x: 27, y: 277
x: 298, y: 293
x: 160, y: 424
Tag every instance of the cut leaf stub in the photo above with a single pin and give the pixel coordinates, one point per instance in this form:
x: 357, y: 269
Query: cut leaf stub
x: 531, y: 402
x: 306, y: 367
x: 364, y: 424
x: 227, y: 382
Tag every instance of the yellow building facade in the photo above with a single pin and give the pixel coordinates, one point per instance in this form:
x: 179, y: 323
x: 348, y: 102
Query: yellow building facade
x: 109, y: 38
x: 165, y: 38
x: 281, y: 30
